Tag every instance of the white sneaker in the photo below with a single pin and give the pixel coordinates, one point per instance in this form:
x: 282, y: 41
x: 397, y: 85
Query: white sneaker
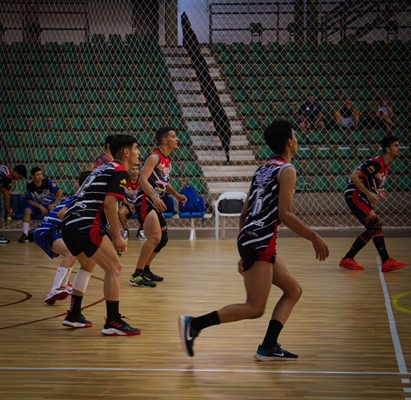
x: 56, y: 294
x: 141, y: 235
x: 126, y: 235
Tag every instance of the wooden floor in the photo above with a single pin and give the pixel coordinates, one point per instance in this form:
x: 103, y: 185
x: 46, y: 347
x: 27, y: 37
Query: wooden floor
x: 350, y: 346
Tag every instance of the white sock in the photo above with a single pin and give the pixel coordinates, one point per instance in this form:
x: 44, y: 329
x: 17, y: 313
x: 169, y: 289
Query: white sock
x: 58, y: 278
x: 26, y: 226
x: 67, y: 277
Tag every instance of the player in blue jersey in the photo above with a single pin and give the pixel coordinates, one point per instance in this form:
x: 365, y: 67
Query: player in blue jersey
x: 268, y: 203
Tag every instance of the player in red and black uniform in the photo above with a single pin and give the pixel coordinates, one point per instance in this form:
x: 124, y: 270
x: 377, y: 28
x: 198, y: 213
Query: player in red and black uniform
x: 85, y: 227
x: 149, y: 205
x: 365, y: 189
x: 106, y: 156
x: 268, y: 203
x: 6, y: 183
x: 128, y: 207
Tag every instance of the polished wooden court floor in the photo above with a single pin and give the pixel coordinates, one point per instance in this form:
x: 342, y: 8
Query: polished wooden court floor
x: 351, y: 329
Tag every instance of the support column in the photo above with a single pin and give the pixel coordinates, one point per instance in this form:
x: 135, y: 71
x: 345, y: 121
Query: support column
x: 146, y: 18
x: 299, y: 22
x: 31, y: 25
x: 171, y: 23
x: 312, y: 22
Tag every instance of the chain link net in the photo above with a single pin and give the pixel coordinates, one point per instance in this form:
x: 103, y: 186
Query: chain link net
x: 74, y: 72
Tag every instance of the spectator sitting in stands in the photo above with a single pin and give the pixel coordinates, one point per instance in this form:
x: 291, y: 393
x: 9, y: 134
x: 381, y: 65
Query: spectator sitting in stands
x: 347, y: 116
x: 311, y: 116
x: 385, y: 115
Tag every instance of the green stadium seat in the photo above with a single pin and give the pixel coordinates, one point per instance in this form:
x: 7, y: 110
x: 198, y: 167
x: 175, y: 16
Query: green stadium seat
x: 335, y: 167
x: 137, y: 110
x: 264, y: 152
x: 316, y: 137
x: 46, y: 110
x: 82, y: 154
x: 89, y: 139
x: 93, y: 96
x: 235, y: 83
x: 252, y: 123
x: 338, y: 136
x: 246, y: 109
x: 22, y: 155
x: 403, y: 121
x: 192, y: 168
x: 315, y: 167
x: 300, y: 184
x: 49, y: 139
x: 41, y: 154
x: 404, y: 182
x: 72, y: 170
x: 324, y: 151
x: 67, y: 188
x: 257, y: 138
x: 340, y: 183
x: 177, y: 123
x: 344, y: 152
x: 258, y: 95
x: 75, y: 96
x: 30, y: 139
x: 265, y: 109
x: 100, y: 110
x: 285, y: 109
x: 12, y: 139
x: 118, y: 124
x: 20, y: 125
x: 28, y: 110
x: 320, y: 184
x: 176, y: 184
x: 81, y: 110
x: 137, y: 124
x: 364, y: 152
x: 184, y: 138
x: 198, y: 184
x: 10, y: 110
x: 230, y: 70
x: 400, y: 166
x: 4, y: 125
x: 98, y: 124
x: 59, y: 124
x: 61, y: 154
x: 405, y: 150
x: 183, y: 153
x: 64, y: 110
x: 52, y: 171
x: 112, y: 96
x: 305, y: 152
x: 145, y: 139
x: 155, y: 123
x: 154, y: 109
x: 79, y: 124
x: 69, y: 139
x: 357, y: 137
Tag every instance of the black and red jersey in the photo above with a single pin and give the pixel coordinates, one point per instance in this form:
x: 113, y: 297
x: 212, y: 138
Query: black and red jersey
x: 260, y: 227
x: 87, y: 211
x: 6, y: 178
x: 131, y: 191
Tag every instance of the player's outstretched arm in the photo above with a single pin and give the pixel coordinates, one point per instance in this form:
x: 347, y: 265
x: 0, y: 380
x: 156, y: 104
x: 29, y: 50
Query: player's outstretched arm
x: 287, y: 216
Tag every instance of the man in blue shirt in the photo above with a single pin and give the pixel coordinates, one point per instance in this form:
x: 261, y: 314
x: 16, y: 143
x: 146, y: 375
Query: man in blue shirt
x: 311, y: 117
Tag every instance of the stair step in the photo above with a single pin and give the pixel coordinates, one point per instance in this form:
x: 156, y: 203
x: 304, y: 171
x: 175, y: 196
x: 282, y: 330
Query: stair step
x: 221, y: 187
x: 228, y: 171
x: 214, y: 141
x: 219, y: 155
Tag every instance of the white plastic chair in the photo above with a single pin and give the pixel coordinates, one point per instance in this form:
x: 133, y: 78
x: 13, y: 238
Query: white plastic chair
x: 218, y: 214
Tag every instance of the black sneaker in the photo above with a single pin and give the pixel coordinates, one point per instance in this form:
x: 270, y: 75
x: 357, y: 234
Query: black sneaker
x: 119, y: 327
x: 24, y: 238
x: 187, y: 334
x: 139, y: 281
x: 152, y: 277
x: 3, y: 240
x: 76, y: 321
x: 275, y: 354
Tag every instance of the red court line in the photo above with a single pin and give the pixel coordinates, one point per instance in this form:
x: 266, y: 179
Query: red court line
x: 28, y: 296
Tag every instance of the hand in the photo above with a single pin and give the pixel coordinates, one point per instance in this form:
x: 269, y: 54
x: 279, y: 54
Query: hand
x: 119, y: 244
x: 159, y: 204
x: 44, y: 211
x: 132, y: 209
x: 373, y: 198
x: 10, y: 215
x: 51, y: 207
x: 382, y: 193
x: 241, y: 266
x: 182, y: 199
x: 321, y: 248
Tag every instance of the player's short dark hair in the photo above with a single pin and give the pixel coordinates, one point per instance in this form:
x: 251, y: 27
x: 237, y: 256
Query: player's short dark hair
x: 387, y: 142
x: 277, y: 134
x: 83, y: 176
x: 121, y: 142
x: 34, y: 170
x: 21, y: 170
x: 108, y: 140
x: 162, y: 133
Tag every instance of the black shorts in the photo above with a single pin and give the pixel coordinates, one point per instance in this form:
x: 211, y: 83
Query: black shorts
x: 250, y: 255
x: 81, y: 241
x: 144, y: 205
x: 358, y: 205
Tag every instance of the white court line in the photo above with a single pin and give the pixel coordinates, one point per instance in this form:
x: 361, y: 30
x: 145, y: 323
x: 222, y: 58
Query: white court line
x: 240, y: 371
x: 393, y: 328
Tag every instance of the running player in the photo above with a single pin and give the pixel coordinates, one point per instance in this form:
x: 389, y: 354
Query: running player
x: 42, y: 197
x: 85, y: 227
x: 268, y: 203
x: 6, y: 183
x: 365, y: 189
x: 153, y: 184
x: 128, y: 206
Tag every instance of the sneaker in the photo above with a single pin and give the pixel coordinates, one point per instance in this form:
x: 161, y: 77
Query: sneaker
x: 125, y: 235
x: 275, y: 354
x: 152, y: 277
x: 119, y: 327
x: 68, y: 287
x: 349, y: 263
x: 3, y: 240
x: 56, y: 294
x: 187, y: 334
x: 140, y: 235
x: 141, y: 282
x: 24, y: 238
x: 392, y: 265
x: 76, y: 322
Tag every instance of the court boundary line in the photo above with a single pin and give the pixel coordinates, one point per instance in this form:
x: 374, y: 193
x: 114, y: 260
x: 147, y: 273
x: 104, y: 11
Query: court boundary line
x: 205, y: 370
x: 402, y: 367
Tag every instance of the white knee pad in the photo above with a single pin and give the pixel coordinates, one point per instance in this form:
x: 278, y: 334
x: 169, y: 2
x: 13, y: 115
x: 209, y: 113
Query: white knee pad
x: 80, y: 281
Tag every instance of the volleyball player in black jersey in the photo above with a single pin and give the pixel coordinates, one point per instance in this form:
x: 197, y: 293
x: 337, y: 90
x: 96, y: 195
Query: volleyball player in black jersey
x: 86, y: 224
x: 269, y: 202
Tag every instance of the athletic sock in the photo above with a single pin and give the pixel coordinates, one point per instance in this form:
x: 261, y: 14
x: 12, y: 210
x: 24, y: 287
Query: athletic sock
x: 137, y: 272
x: 205, y: 321
x: 273, y: 331
x: 359, y: 243
x: 59, y: 277
x: 379, y: 244
x: 147, y: 269
x: 66, y: 277
x: 26, y: 226
x: 112, y: 310
x: 75, y: 305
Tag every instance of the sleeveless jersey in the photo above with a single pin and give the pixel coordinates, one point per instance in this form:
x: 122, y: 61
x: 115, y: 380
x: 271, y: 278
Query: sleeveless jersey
x: 51, y: 221
x: 374, y: 173
x: 87, y: 211
x: 131, y: 191
x: 43, y: 195
x: 6, y: 178
x: 261, y: 224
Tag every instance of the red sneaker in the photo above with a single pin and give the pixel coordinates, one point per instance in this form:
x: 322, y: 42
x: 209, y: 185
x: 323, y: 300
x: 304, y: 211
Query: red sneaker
x: 350, y: 263
x: 392, y: 265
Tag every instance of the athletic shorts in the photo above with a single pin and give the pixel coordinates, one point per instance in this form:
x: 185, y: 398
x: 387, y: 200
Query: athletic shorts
x: 81, y: 241
x: 347, y: 122
x: 45, y: 240
x: 250, y: 255
x: 36, y: 211
x: 358, y: 205
x: 143, y: 206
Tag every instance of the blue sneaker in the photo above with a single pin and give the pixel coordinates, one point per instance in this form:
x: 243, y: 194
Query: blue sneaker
x: 275, y: 354
x: 187, y: 334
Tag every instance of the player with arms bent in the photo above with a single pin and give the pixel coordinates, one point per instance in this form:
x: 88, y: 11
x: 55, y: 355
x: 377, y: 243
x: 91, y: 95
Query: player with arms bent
x: 268, y: 203
x: 85, y: 225
x: 365, y: 189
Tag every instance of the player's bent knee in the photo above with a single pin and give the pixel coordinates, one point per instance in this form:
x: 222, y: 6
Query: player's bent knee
x: 256, y: 312
x: 163, y: 241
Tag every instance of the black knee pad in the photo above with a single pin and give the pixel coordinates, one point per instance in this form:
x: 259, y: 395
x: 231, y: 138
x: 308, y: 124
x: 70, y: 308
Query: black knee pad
x: 163, y: 241
x: 374, y: 227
